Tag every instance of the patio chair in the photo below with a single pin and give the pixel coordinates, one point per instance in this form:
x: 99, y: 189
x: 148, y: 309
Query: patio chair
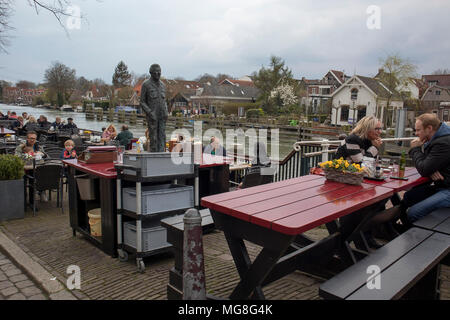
x: 46, y: 176
x: 254, y: 178
x: 53, y: 152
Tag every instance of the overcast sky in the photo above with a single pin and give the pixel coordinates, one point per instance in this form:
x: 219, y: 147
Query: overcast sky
x: 236, y: 37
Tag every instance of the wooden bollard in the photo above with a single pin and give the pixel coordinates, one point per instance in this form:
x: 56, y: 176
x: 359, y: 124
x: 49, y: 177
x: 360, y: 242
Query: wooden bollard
x: 194, y: 287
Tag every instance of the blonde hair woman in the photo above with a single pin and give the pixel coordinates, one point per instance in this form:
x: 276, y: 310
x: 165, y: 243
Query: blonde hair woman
x: 363, y: 141
x: 109, y: 134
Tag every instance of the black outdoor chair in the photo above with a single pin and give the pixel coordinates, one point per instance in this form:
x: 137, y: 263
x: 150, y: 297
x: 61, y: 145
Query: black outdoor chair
x: 53, y: 152
x: 253, y: 178
x: 46, y: 176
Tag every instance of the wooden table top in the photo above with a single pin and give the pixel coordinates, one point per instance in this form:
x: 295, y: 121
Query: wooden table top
x: 414, y: 179
x: 296, y: 205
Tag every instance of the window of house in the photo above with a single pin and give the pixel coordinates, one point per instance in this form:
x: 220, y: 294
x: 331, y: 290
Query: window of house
x: 361, y: 112
x: 344, y: 113
x: 325, y: 90
x: 438, y: 92
x: 445, y: 116
x: 314, y: 90
x: 354, y: 94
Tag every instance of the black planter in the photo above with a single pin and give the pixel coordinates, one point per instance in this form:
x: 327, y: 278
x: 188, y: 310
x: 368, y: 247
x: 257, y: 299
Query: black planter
x: 11, y: 199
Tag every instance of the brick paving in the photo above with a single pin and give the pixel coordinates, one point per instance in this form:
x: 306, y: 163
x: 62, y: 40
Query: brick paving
x: 15, y: 285
x: 47, y: 238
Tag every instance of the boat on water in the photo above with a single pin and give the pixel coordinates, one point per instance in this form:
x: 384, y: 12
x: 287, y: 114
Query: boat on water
x: 79, y: 109
x: 66, y: 107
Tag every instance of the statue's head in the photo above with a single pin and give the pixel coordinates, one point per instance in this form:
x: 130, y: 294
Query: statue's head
x: 155, y: 72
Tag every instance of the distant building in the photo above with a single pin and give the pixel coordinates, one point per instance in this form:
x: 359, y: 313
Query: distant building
x: 211, y: 97
x: 442, y: 80
x: 18, y: 95
x: 360, y: 96
x: 437, y: 100
x: 319, y: 92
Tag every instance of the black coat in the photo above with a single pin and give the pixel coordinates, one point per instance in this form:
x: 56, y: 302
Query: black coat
x: 355, y: 148
x: 434, y: 156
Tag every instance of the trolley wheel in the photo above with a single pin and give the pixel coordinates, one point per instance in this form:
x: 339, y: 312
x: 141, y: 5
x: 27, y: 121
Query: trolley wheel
x: 141, y: 265
x: 123, y: 255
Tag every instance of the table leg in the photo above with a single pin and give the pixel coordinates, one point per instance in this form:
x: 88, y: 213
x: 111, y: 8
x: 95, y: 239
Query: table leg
x: 252, y: 276
x: 242, y: 260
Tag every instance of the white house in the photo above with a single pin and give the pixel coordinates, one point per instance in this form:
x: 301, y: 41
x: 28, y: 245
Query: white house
x: 360, y: 96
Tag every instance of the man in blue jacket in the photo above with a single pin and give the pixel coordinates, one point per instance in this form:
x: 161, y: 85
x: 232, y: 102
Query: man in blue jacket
x: 430, y: 152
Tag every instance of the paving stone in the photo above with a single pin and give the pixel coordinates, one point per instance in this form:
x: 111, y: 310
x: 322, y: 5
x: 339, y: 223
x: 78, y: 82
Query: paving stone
x: 17, y: 278
x: 13, y: 272
x: 62, y: 295
x: 38, y: 297
x: 24, y: 284
x: 30, y: 291
x: 9, y: 291
x: 17, y: 296
x: 5, y: 284
x: 7, y: 266
x: 3, y: 277
x: 4, y: 261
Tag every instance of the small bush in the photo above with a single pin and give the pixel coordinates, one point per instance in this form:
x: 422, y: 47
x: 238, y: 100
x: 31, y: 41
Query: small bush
x: 11, y: 167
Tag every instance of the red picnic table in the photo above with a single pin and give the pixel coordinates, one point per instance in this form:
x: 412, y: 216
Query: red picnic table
x: 275, y: 216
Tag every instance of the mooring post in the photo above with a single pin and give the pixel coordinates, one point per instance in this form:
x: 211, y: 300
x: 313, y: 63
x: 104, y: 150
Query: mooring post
x: 194, y: 287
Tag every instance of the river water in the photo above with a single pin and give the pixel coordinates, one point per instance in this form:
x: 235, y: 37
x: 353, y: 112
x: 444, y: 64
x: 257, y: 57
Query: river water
x: 284, y: 145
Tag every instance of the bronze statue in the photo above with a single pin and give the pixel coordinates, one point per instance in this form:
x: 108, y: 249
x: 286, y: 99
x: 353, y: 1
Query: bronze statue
x: 153, y: 102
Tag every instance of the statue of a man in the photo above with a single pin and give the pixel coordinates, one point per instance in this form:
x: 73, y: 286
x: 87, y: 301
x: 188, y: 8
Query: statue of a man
x: 153, y: 102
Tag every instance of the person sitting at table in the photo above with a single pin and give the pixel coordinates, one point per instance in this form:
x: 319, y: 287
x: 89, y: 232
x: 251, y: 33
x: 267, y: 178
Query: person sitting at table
x: 31, y: 125
x: 109, y: 134
x: 58, y: 124
x: 70, y: 125
x: 215, y: 148
x: 32, y: 143
x: 430, y: 154
x: 44, y: 124
x: 25, y: 116
x: 69, y: 151
x: 125, y: 136
x: 364, y: 141
x: 145, y: 141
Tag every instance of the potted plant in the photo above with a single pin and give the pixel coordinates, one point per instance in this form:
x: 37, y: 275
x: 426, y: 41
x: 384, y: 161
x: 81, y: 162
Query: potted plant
x: 11, y: 187
x: 341, y: 170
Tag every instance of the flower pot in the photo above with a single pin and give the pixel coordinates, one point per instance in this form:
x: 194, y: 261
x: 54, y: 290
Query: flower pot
x: 12, y: 199
x: 355, y: 178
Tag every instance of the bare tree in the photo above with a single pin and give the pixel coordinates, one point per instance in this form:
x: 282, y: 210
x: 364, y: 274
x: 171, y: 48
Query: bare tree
x: 396, y: 70
x: 61, y: 80
x: 58, y: 8
x: 5, y: 14
x: 441, y: 71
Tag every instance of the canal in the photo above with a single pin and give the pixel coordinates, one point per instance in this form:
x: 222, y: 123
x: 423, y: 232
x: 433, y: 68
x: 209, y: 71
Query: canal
x: 284, y: 145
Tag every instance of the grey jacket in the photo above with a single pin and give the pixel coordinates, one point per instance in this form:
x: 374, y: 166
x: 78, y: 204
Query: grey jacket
x: 434, y: 156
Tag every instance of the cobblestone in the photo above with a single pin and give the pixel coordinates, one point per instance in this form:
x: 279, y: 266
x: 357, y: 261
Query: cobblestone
x: 15, y: 285
x: 48, y: 239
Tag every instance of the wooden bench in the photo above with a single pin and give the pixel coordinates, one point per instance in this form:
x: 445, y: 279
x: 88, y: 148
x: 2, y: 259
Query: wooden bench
x: 409, y: 268
x: 175, y: 235
x: 438, y: 221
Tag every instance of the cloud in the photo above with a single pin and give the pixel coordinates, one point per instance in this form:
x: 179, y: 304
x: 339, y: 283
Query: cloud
x: 189, y: 38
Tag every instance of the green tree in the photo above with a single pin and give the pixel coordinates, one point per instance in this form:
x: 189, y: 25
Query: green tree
x: 267, y: 79
x: 60, y: 80
x: 121, y: 77
x: 395, y: 71
x: 3, y: 84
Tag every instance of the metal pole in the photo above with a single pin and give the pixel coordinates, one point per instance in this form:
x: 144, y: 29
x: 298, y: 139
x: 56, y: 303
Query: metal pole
x: 325, y: 147
x: 194, y: 287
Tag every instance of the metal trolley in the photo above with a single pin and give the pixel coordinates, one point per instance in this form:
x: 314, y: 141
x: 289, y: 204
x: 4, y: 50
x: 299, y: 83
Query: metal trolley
x: 124, y: 249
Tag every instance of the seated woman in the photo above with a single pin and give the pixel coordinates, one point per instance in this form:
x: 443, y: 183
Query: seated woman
x: 145, y: 141
x: 109, y: 134
x: 364, y: 141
